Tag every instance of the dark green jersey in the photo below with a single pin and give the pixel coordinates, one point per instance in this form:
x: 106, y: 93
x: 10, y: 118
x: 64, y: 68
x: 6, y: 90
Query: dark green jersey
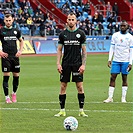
x: 8, y: 39
x: 72, y: 42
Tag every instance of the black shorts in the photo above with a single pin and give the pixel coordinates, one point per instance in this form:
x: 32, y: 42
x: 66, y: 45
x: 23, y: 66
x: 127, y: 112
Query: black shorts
x: 10, y: 64
x: 67, y: 71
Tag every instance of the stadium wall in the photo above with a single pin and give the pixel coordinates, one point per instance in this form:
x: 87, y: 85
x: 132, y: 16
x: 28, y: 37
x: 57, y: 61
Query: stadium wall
x: 95, y: 44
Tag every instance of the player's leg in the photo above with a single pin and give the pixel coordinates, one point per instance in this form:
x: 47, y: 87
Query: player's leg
x: 124, y: 81
x: 124, y: 88
x: 81, y: 98
x: 15, y: 83
x: 78, y: 79
x: 62, y: 99
x: 115, y: 70
x: 64, y: 78
x: 6, y: 74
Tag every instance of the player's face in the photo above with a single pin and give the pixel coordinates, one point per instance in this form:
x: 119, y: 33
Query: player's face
x: 71, y: 21
x: 123, y: 26
x: 8, y: 21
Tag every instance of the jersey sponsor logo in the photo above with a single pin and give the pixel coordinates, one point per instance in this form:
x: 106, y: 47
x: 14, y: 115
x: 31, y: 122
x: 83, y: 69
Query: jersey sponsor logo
x: 73, y: 42
x: 10, y: 38
x: 4, y: 33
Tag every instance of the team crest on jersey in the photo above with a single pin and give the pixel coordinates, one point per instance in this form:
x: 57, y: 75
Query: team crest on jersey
x: 78, y: 35
x: 121, y: 40
x: 15, y: 32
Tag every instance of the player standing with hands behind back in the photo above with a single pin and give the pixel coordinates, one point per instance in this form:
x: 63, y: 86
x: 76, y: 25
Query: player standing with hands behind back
x: 73, y: 41
x: 10, y: 55
x: 121, y: 50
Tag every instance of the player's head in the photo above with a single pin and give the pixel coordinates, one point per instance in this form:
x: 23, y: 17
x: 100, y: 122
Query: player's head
x: 71, y: 21
x: 123, y: 26
x: 8, y: 20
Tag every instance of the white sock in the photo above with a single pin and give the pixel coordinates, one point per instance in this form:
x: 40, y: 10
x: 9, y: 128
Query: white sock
x: 111, y: 91
x: 13, y: 92
x: 7, y: 96
x: 63, y: 110
x: 81, y: 110
x: 124, y: 91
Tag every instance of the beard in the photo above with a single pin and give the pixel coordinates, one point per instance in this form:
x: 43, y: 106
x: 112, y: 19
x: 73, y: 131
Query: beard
x: 71, y: 26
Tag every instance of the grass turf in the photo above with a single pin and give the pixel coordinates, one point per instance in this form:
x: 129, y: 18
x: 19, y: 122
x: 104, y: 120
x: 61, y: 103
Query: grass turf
x: 38, y: 100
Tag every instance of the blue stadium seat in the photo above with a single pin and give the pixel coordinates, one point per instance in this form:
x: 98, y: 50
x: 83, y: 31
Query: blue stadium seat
x: 79, y: 8
x: 85, y: 14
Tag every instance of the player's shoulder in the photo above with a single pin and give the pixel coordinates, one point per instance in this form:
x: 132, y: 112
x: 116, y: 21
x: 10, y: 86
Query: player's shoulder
x: 79, y: 30
x: 117, y: 33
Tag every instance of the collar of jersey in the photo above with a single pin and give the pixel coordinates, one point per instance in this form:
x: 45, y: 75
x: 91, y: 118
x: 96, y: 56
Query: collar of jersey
x: 8, y: 28
x: 123, y: 34
x: 72, y: 30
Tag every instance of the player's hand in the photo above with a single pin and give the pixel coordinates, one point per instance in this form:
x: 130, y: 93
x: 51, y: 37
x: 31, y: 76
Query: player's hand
x: 3, y: 54
x: 82, y: 69
x: 129, y: 67
x: 18, y: 53
x: 109, y: 64
x: 59, y: 68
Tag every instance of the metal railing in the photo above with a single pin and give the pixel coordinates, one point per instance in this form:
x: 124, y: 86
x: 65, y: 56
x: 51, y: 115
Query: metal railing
x: 53, y: 16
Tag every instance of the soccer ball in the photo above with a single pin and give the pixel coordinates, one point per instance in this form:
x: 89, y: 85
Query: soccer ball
x: 70, y: 123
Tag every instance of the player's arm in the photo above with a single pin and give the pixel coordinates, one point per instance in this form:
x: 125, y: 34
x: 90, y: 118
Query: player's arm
x: 84, y: 56
x: 130, y: 59
x: 59, y: 56
x: 2, y: 54
x: 111, y: 52
x: 21, y: 44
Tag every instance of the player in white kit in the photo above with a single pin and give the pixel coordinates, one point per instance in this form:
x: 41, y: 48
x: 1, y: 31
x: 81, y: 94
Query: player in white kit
x: 120, y: 60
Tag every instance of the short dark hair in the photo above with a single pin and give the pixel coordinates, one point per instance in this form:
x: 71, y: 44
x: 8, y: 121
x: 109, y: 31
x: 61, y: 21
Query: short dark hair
x: 8, y: 15
x: 72, y: 13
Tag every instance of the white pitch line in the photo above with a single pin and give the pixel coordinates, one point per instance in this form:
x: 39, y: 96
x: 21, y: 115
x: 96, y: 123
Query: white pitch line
x: 67, y: 102
x: 67, y: 110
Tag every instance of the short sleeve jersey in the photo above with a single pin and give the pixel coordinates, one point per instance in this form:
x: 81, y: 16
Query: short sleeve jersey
x: 8, y: 39
x: 122, y: 43
x: 72, y: 42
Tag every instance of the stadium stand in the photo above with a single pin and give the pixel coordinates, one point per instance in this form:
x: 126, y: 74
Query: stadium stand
x: 91, y: 14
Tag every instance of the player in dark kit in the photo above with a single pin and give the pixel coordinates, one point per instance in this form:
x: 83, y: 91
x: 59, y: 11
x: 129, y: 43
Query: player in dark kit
x: 10, y: 56
x: 73, y: 40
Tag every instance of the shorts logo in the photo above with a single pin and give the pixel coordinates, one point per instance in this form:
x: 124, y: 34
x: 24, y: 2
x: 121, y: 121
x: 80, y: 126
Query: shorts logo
x: 76, y: 74
x: 17, y: 66
x: 5, y: 69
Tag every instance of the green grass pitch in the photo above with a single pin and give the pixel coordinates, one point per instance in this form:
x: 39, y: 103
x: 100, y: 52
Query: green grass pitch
x: 38, y: 99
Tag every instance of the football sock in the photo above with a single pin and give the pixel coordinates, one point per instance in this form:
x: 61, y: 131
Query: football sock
x: 15, y: 83
x: 62, y: 99
x: 111, y: 91
x: 81, y: 98
x: 124, y: 91
x: 80, y: 110
x: 7, y: 96
x: 5, y: 84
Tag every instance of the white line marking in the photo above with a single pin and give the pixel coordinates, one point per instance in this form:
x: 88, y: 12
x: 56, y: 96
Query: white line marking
x: 67, y: 110
x: 68, y: 103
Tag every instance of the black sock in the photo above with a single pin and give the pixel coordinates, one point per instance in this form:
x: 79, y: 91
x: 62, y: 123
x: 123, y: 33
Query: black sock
x: 5, y: 85
x: 81, y: 98
x: 15, y: 83
x: 62, y: 99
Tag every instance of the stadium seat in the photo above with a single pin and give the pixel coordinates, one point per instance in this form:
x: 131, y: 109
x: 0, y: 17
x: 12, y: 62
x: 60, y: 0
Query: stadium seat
x: 79, y: 8
x: 85, y: 14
